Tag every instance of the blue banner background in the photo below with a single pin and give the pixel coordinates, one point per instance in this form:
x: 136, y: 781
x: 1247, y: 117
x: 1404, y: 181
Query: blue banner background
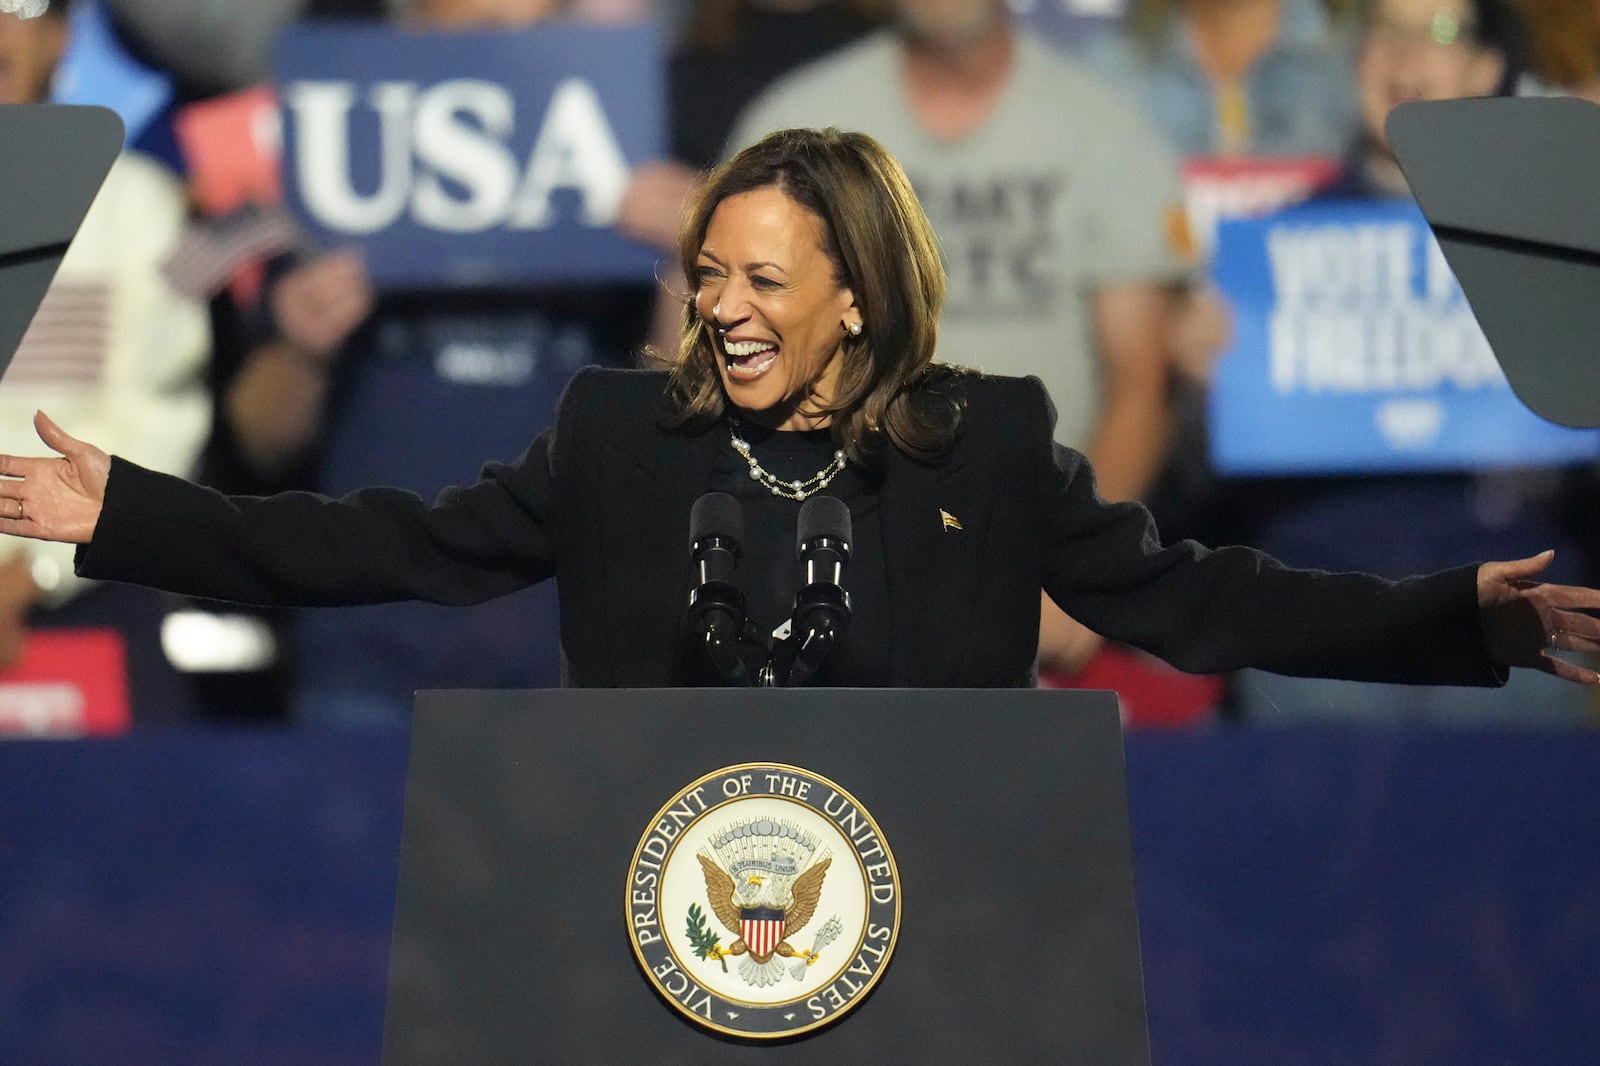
x: 622, y: 66
x: 1369, y: 270
x: 1305, y: 896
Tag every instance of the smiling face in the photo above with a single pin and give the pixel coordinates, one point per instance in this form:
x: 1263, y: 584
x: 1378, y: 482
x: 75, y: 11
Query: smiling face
x: 777, y: 310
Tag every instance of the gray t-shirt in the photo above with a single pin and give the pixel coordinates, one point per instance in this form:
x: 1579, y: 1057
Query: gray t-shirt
x: 1066, y: 186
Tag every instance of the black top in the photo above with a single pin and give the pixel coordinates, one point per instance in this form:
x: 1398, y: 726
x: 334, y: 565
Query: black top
x: 770, y: 571
x: 602, y: 502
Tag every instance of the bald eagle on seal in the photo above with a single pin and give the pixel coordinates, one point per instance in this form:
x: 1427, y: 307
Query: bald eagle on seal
x: 763, y: 896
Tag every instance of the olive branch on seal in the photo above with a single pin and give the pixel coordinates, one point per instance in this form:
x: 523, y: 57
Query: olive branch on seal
x: 702, y: 937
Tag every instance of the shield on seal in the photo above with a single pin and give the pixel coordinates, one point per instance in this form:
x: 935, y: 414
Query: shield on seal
x: 762, y: 930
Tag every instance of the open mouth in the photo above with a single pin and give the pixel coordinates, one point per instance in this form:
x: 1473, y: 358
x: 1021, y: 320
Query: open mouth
x: 749, y: 359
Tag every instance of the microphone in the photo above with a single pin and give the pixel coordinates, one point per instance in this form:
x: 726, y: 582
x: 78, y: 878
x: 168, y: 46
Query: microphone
x: 822, y: 606
x: 822, y: 540
x: 716, y: 606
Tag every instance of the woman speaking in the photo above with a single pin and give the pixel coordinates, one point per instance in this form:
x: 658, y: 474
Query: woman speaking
x: 806, y: 367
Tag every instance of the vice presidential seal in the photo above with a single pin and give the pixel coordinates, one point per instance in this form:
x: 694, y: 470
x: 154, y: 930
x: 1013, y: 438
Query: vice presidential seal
x: 763, y: 901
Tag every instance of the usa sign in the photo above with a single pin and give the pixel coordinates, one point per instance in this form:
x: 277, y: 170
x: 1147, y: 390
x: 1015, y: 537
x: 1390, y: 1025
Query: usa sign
x: 475, y: 158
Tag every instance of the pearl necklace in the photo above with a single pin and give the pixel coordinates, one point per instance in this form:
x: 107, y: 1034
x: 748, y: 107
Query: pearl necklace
x: 788, y: 490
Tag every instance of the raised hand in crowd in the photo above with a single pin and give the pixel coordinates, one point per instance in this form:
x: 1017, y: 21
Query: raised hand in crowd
x: 1201, y: 330
x: 651, y: 211
x: 653, y: 203
x: 318, y: 304
x: 277, y: 401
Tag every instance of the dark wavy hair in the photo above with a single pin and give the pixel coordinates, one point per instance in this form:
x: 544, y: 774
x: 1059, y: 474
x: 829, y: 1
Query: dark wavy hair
x: 882, y: 249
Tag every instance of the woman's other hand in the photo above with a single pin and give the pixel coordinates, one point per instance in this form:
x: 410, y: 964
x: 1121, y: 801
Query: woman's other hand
x: 1527, y: 622
x: 54, y: 499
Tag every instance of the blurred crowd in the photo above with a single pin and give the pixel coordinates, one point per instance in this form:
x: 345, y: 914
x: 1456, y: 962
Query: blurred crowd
x: 206, y: 336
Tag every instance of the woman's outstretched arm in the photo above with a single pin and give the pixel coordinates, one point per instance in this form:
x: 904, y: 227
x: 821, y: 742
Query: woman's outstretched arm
x: 294, y: 549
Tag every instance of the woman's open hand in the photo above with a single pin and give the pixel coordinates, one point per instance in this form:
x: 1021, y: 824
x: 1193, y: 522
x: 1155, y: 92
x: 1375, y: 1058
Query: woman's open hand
x: 1526, y: 622
x: 54, y: 499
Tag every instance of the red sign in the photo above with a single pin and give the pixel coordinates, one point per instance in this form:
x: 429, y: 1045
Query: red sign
x: 1218, y: 189
x: 233, y: 147
x: 68, y: 683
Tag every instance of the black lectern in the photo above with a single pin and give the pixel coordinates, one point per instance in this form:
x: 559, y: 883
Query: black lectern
x: 528, y: 831
x: 53, y: 158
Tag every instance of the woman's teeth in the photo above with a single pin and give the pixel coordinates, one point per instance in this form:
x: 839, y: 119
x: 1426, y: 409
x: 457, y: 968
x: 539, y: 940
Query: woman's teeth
x: 749, y: 358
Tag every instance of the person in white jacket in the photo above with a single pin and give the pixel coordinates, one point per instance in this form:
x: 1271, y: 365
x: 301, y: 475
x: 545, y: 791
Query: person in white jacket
x: 114, y: 347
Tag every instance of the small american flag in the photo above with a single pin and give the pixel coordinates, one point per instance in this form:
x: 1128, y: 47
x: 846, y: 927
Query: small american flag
x: 212, y: 251
x: 66, y: 342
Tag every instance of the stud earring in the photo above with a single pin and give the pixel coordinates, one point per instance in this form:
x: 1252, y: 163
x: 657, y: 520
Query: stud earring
x: 854, y: 328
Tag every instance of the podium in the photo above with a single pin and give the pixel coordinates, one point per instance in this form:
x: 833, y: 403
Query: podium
x: 526, y: 827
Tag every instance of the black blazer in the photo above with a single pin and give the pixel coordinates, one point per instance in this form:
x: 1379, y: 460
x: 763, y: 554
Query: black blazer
x: 601, y: 502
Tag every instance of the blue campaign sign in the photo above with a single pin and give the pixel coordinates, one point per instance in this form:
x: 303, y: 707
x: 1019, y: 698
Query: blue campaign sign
x: 475, y: 158
x: 1355, y: 351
